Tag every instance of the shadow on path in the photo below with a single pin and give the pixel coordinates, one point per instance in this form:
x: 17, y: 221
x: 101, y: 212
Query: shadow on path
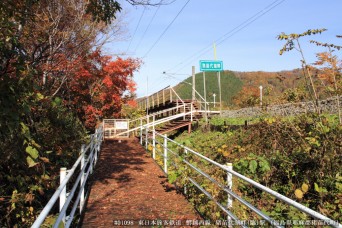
x: 128, y: 186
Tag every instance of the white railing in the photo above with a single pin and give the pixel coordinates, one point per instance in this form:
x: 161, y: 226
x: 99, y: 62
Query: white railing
x: 161, y: 97
x: 85, y: 163
x: 186, y: 110
x: 182, y: 111
x: 166, y: 153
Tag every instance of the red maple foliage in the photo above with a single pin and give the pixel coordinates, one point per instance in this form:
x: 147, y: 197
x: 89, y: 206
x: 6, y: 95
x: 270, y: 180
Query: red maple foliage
x: 99, y: 85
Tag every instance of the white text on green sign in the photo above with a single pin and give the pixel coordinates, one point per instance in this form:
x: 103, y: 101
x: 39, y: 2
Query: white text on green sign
x: 211, y: 65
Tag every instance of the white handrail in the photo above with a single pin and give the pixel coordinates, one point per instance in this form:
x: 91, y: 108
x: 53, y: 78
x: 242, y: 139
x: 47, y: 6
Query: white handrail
x: 157, y: 122
x: 157, y: 113
x: 94, y: 146
x: 283, y: 198
x: 177, y: 95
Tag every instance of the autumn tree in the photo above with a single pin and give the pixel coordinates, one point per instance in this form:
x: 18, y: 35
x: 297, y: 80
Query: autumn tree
x: 98, y: 87
x: 247, y: 97
x: 293, y: 43
x: 44, y: 45
x: 323, y: 79
x: 331, y: 74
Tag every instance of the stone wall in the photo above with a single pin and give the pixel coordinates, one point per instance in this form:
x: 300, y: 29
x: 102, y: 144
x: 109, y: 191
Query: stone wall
x: 327, y: 106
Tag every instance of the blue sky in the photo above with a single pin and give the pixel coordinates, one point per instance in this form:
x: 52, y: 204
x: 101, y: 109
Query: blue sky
x: 251, y: 47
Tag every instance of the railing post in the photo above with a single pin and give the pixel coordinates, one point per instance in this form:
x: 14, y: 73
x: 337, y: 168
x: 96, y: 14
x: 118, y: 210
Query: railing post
x: 82, y: 178
x: 165, y: 154
x: 147, y: 103
x: 153, y: 140
x: 141, y: 131
x: 229, y: 185
x: 191, y: 109
x: 90, y: 154
x: 95, y: 147
x: 164, y: 96
x: 62, y: 196
x: 185, y: 186
x: 114, y: 125
x: 184, y: 112
x: 158, y: 98
x: 98, y: 142
x: 152, y: 100
x: 146, y: 137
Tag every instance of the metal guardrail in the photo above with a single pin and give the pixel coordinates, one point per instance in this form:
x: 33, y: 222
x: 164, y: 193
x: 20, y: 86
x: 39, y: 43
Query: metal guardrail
x: 166, y: 153
x: 85, y: 163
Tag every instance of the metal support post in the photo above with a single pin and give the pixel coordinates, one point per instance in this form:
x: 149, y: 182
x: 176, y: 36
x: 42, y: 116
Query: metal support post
x: 62, y: 196
x: 141, y: 131
x: 205, y: 98
x: 220, y: 91
x: 91, y: 151
x: 165, y: 153
x: 184, y: 113
x: 146, y: 137
x: 95, y: 147
x: 153, y: 141
x: 229, y: 167
x: 185, y: 188
x: 82, y: 178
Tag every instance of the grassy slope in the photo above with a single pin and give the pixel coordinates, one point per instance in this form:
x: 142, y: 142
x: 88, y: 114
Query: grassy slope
x: 281, y: 154
x: 230, y: 85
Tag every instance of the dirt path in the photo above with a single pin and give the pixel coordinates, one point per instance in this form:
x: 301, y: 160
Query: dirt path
x: 129, y: 189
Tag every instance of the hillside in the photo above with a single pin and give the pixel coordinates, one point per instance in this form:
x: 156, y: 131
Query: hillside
x: 230, y: 85
x: 275, y: 83
x: 278, y: 80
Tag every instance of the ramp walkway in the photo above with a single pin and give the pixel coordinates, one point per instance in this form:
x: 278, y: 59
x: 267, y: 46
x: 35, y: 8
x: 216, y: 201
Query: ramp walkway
x: 129, y: 188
